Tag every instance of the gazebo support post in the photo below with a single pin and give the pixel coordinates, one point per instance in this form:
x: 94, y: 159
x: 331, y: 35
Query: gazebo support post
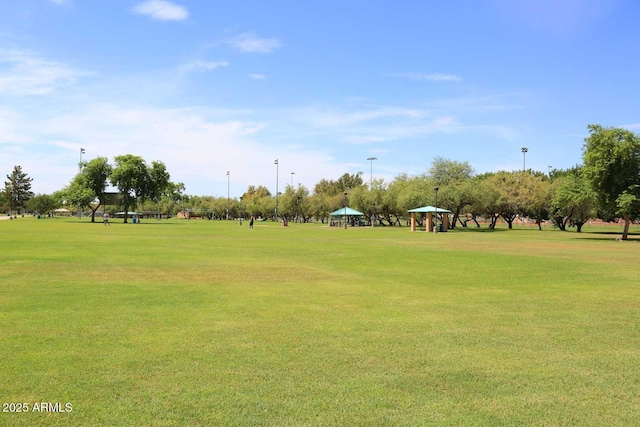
x: 413, y: 221
x: 429, y: 222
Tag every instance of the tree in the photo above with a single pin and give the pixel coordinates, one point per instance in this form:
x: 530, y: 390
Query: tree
x: 172, y: 196
x: 348, y: 182
x: 574, y: 201
x: 258, y: 202
x: 612, y: 167
x: 41, y: 203
x: 453, y: 179
x: 17, y: 189
x: 447, y: 172
x: 536, y: 197
x: 137, y: 181
x: 294, y: 204
x: 157, y: 183
x: 320, y: 206
x: 77, y: 193
x: 96, y: 173
x: 488, y: 200
x: 88, y: 186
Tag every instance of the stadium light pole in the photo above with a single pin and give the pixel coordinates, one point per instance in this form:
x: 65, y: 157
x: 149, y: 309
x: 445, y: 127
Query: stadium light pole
x: 436, y: 224
x: 371, y: 159
x: 292, y: 173
x: 345, y: 210
x: 82, y: 151
x: 228, y: 187
x: 524, y: 158
x: 276, y: 163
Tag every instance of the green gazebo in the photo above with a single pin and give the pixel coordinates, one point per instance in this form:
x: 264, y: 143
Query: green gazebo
x: 345, y: 213
x: 430, y: 210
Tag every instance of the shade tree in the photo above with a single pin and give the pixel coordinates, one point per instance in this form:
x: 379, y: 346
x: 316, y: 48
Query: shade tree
x: 574, y: 201
x: 17, y: 189
x: 611, y: 159
x: 41, y: 203
x: 137, y: 181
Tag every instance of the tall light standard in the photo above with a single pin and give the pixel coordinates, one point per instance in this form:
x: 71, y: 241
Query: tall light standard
x: 436, y: 222
x: 373, y: 216
x: 524, y: 158
x: 276, y: 163
x: 292, y: 173
x: 345, y: 210
x: 82, y: 151
x: 228, y: 187
x: 371, y: 159
x: 549, y: 171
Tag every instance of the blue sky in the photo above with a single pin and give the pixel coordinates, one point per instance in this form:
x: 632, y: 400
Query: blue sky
x: 213, y: 86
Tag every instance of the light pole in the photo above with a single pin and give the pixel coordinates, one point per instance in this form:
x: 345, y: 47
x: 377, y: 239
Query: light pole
x: 228, y: 187
x: 373, y: 216
x: 82, y: 151
x: 371, y: 159
x: 549, y: 171
x: 524, y: 158
x: 276, y: 163
x: 345, y: 210
x: 292, y: 173
x: 436, y: 222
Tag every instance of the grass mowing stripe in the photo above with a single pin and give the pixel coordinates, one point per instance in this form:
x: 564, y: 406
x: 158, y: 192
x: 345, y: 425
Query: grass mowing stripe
x: 205, y: 323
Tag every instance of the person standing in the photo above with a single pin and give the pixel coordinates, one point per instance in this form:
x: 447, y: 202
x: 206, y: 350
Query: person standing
x: 105, y: 219
x: 251, y: 223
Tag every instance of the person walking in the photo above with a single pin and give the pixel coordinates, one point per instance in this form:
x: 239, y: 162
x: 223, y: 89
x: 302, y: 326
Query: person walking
x: 105, y: 219
x: 251, y: 223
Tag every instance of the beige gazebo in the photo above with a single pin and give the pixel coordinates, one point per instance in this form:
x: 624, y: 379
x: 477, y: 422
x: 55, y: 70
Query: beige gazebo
x: 430, y: 211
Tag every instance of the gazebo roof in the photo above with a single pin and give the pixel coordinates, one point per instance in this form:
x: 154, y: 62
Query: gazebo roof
x: 429, y: 209
x: 347, y: 211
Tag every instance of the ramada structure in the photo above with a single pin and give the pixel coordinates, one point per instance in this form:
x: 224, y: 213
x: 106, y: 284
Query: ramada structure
x: 430, y: 211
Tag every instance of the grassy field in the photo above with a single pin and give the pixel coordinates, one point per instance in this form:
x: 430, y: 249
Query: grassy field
x: 201, y: 323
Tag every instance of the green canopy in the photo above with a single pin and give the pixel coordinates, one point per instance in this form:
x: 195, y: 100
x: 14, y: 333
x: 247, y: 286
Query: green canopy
x: 429, y: 209
x: 350, y: 212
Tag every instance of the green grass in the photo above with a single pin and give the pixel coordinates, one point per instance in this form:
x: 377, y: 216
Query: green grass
x: 206, y: 323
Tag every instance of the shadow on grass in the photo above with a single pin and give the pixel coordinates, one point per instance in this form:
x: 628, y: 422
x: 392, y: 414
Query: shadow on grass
x: 119, y: 222
x: 607, y: 239
x: 631, y: 233
x: 478, y: 230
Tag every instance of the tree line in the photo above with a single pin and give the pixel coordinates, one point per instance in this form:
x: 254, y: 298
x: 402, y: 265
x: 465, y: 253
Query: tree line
x: 606, y: 186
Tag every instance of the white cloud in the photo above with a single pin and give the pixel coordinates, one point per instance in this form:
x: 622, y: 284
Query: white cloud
x: 336, y: 118
x: 204, y: 66
x: 22, y: 73
x: 633, y: 126
x: 250, y: 43
x: 11, y: 131
x: 432, y: 77
x: 161, y: 10
x: 382, y: 133
x: 198, y: 145
x: 59, y: 1
x: 258, y: 76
